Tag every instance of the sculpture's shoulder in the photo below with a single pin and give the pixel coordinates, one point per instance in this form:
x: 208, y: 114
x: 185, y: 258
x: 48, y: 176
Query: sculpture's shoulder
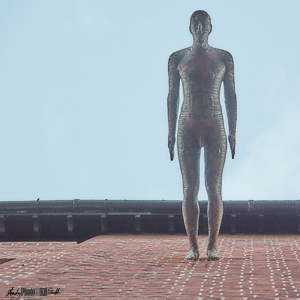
x: 177, y: 56
x: 223, y: 55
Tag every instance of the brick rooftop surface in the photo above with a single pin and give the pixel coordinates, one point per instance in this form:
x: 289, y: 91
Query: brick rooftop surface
x: 152, y: 266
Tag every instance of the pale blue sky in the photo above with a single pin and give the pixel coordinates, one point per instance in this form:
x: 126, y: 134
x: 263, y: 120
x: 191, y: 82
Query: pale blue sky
x: 83, y: 88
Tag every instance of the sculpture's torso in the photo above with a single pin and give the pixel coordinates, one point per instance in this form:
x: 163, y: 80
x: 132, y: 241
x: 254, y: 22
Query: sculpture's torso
x: 201, y: 75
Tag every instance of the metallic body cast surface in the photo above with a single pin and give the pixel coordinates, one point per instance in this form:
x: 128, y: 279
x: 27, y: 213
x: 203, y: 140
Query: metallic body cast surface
x: 201, y: 69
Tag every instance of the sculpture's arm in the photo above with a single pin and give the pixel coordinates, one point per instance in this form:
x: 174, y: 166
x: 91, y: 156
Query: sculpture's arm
x: 173, y: 101
x: 230, y: 100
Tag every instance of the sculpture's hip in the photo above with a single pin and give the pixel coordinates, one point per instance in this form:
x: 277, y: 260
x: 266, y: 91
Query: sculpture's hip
x: 204, y: 127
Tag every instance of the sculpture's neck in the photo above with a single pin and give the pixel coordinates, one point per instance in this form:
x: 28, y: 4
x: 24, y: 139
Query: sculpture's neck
x: 200, y: 44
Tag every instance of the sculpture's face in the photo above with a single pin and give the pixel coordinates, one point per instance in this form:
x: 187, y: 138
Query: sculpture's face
x: 200, y: 25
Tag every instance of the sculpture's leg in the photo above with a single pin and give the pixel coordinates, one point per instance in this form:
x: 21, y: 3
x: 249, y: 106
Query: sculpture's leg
x: 189, y: 155
x: 214, y: 155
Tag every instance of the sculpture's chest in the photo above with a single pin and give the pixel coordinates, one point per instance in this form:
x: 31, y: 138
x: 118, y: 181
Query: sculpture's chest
x: 201, y: 67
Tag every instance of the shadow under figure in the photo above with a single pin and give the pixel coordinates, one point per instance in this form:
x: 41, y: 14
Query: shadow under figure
x: 201, y: 69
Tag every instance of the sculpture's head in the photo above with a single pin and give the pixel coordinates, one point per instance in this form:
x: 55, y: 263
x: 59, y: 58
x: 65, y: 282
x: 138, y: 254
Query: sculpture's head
x: 200, y: 25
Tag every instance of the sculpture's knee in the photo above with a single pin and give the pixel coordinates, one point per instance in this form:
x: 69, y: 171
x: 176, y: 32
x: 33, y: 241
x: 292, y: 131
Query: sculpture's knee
x: 190, y: 192
x: 214, y: 192
x: 218, y: 151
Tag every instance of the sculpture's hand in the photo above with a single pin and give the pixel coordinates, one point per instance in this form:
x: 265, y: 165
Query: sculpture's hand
x: 231, y: 139
x: 171, y: 143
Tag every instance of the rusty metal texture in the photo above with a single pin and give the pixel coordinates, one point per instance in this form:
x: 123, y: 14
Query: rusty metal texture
x: 201, y: 69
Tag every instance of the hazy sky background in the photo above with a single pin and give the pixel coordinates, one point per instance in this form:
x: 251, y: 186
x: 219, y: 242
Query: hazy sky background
x: 83, y: 89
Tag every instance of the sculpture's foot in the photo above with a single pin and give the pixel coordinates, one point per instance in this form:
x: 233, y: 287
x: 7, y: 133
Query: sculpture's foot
x: 212, y: 254
x: 193, y: 255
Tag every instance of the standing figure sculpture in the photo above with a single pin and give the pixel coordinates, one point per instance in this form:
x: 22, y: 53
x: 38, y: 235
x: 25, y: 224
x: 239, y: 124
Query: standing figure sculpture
x: 202, y: 69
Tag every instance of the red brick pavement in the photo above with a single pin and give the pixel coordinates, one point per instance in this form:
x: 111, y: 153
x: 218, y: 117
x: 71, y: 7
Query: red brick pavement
x: 152, y: 267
